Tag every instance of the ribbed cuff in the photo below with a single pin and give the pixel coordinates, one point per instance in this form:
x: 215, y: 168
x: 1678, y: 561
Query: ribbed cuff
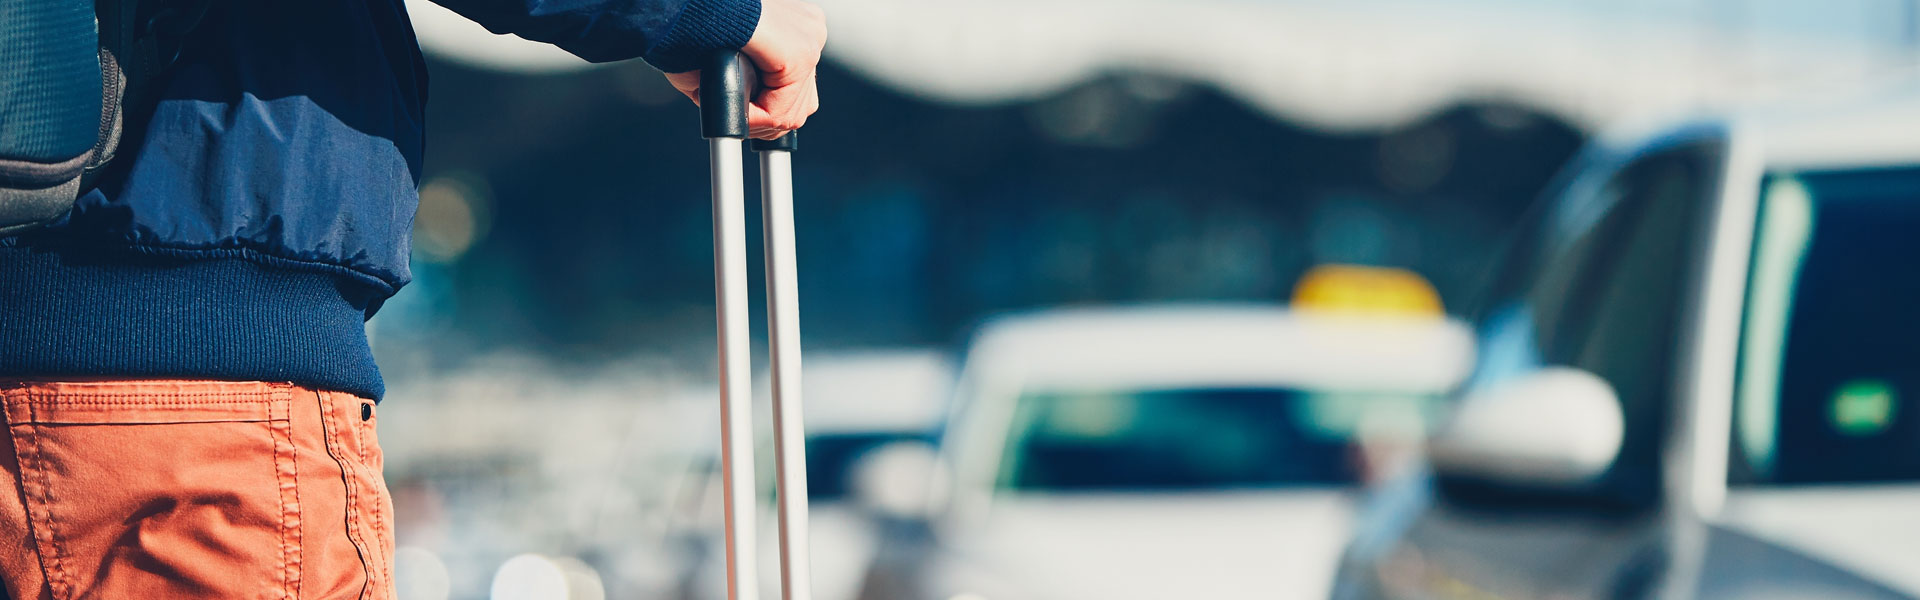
x: 703, y: 27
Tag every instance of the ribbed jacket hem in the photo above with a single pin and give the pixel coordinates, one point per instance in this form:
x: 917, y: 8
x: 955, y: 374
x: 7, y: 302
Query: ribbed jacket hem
x: 704, y: 26
x: 150, y: 317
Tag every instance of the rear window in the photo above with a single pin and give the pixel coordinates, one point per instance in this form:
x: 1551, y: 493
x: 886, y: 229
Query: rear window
x: 1189, y: 439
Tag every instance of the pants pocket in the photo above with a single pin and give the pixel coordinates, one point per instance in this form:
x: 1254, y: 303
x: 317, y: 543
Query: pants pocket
x: 189, y: 494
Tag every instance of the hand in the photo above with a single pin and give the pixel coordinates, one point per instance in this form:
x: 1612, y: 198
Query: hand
x: 785, y: 49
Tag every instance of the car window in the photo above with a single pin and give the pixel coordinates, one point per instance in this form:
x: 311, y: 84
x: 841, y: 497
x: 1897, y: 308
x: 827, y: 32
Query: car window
x: 1830, y: 349
x: 1171, y: 440
x: 1603, y: 290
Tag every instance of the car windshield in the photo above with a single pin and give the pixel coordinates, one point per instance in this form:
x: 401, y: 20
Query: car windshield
x: 1184, y: 439
x: 1830, y: 352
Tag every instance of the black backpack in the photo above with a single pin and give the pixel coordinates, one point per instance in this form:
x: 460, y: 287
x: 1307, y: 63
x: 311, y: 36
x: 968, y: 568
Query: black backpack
x: 70, y: 73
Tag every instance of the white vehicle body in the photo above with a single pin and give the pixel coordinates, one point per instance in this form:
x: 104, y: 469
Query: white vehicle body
x: 1722, y: 517
x: 884, y: 393
x: 1195, y: 543
x: 1869, y: 529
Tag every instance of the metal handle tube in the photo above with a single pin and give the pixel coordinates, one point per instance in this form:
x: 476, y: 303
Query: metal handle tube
x: 783, y: 331
x: 736, y: 408
x: 723, y: 116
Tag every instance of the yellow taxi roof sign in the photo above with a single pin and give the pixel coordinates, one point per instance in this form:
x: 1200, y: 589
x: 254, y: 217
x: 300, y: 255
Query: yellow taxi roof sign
x: 1363, y: 290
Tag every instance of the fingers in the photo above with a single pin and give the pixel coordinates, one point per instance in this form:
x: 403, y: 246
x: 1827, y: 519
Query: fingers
x: 779, y: 110
x: 688, y: 83
x: 781, y: 76
x: 758, y: 124
x: 786, y: 48
x: 774, y: 111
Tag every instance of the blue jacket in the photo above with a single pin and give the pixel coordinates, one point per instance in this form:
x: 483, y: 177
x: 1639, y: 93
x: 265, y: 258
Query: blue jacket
x: 262, y: 212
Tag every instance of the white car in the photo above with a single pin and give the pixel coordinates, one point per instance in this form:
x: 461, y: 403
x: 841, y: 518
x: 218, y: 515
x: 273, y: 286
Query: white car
x: 1153, y: 452
x: 1695, y: 378
x: 856, y: 402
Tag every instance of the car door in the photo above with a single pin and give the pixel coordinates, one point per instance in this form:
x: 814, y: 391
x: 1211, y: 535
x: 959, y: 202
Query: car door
x: 1600, y: 284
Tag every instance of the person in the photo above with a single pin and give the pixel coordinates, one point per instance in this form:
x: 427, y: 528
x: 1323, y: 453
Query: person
x: 184, y: 369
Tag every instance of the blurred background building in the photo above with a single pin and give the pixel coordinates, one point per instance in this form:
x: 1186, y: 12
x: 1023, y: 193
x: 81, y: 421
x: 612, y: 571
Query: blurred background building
x: 549, y: 422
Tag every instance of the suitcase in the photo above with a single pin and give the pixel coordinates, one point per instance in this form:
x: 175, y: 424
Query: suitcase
x: 725, y: 87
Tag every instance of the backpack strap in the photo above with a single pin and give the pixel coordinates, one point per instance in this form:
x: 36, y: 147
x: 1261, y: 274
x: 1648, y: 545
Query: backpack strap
x: 75, y: 69
x: 49, y: 107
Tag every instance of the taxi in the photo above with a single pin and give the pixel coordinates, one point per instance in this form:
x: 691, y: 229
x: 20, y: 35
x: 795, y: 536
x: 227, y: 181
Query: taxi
x: 1169, y: 450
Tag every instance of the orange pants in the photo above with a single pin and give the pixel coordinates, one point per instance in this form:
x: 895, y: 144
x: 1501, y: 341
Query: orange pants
x: 191, y: 489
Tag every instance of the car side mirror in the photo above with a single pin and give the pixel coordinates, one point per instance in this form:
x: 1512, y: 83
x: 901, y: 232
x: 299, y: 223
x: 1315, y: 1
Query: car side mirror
x: 899, y: 480
x: 1557, y: 427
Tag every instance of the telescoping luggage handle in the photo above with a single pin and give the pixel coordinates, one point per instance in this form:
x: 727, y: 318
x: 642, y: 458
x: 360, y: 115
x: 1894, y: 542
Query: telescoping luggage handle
x: 724, y: 94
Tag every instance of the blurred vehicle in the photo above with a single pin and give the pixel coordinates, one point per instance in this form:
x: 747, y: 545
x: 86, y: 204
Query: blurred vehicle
x: 514, y: 470
x: 1157, y: 452
x: 857, y: 402
x: 579, y: 485
x: 1693, y: 378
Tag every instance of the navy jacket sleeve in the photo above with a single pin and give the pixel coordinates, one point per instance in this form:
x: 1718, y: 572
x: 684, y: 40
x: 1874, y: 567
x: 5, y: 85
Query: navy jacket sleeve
x: 672, y: 35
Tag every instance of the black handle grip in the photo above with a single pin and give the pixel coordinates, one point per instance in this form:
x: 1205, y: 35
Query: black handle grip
x: 726, y: 87
x: 723, y: 95
x: 786, y: 143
